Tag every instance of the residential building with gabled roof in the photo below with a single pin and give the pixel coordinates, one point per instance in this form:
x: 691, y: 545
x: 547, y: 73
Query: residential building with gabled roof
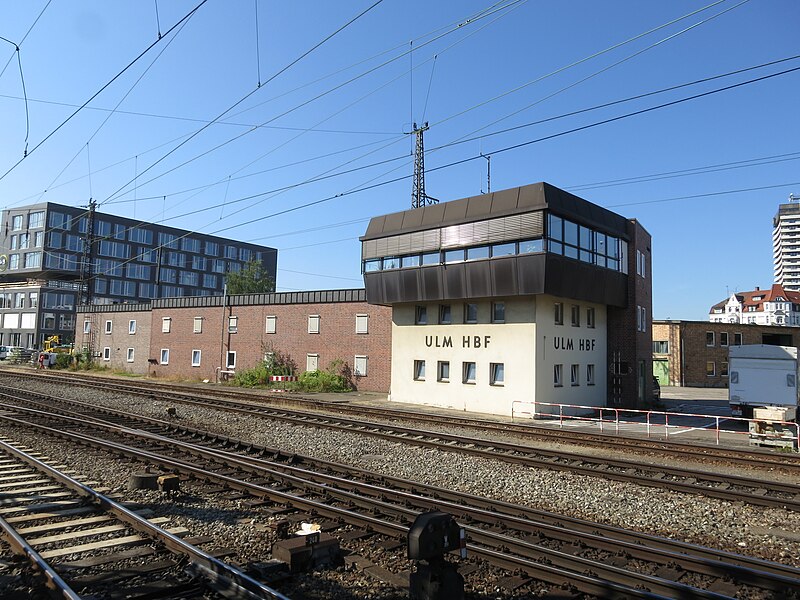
x: 775, y: 306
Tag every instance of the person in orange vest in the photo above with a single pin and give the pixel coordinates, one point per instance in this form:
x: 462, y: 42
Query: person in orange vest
x: 41, y: 360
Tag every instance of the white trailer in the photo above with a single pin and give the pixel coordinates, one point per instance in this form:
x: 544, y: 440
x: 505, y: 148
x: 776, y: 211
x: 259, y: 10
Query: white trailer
x: 763, y: 376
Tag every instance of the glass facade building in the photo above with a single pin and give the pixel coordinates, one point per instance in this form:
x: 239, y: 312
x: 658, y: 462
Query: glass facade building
x: 42, y: 253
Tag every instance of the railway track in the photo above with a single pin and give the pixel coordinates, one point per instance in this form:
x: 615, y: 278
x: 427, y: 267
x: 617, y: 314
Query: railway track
x: 76, y: 538
x: 278, y: 406
x: 723, y: 486
x: 618, y: 563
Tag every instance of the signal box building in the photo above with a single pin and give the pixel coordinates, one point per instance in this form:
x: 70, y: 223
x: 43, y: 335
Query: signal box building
x: 527, y: 294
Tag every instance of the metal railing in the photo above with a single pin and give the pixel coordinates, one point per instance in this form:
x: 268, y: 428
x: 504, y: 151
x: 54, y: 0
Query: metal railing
x: 653, y: 420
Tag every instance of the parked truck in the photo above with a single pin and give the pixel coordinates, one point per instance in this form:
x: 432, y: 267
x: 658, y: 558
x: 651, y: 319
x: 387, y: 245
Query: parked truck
x: 761, y: 376
x: 763, y: 386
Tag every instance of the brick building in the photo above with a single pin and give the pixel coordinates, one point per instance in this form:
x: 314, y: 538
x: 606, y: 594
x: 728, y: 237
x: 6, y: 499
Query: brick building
x: 695, y: 353
x: 197, y: 338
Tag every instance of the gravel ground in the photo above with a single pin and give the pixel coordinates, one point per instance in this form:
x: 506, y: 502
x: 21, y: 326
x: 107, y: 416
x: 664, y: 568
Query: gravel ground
x: 772, y: 534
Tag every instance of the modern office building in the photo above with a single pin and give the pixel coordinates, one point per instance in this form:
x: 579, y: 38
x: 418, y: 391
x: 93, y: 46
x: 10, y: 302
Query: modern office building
x: 527, y: 294
x: 47, y: 267
x: 786, y: 244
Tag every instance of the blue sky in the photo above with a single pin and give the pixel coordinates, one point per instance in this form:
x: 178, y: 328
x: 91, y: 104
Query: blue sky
x: 476, y: 68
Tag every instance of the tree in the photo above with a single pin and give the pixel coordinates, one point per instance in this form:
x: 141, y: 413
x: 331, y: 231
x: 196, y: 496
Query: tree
x: 252, y: 279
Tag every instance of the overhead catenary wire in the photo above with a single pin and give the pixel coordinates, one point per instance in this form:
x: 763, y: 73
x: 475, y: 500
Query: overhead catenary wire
x: 568, y: 66
x: 258, y: 51
x: 608, y: 67
x: 24, y: 37
x: 327, y: 118
x: 576, y: 63
x: 537, y: 140
x: 98, y: 92
x: 318, y: 178
x: 250, y: 93
x: 24, y: 94
x: 509, y: 148
x: 120, y: 191
x: 121, y: 100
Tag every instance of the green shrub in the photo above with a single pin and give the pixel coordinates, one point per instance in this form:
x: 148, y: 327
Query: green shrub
x: 63, y: 360
x: 258, y: 375
x: 336, y: 378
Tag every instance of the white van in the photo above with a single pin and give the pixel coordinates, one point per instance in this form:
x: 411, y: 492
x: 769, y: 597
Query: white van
x: 7, y: 351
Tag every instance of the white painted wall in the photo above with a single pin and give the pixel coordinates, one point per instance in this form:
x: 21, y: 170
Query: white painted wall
x: 528, y: 344
x: 568, y: 345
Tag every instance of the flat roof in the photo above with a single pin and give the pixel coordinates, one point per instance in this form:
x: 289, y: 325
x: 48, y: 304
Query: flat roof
x: 528, y: 198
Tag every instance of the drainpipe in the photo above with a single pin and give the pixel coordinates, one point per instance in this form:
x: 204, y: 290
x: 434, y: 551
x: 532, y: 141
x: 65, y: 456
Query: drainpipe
x: 222, y: 333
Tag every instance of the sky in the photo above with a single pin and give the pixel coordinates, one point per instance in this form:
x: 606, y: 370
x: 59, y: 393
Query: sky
x: 287, y: 124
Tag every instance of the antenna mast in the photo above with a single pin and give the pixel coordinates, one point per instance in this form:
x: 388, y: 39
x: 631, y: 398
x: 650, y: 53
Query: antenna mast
x: 418, y: 196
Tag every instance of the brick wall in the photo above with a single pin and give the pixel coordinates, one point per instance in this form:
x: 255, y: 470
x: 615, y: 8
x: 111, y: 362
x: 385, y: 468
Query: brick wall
x: 628, y: 346
x: 118, y: 341
x: 690, y: 349
x: 337, y: 338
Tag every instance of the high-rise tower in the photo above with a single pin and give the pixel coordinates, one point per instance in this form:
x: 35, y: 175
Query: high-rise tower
x: 786, y: 244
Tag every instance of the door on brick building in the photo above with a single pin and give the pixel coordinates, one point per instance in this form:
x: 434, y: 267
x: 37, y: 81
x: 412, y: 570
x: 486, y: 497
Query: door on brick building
x: 661, y: 371
x: 640, y: 380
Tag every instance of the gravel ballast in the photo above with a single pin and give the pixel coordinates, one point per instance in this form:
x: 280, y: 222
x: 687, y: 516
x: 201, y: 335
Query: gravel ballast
x: 772, y: 534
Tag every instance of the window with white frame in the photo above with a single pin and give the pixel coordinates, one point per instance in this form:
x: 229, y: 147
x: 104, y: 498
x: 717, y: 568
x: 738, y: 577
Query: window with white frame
x: 165, y: 356
x: 419, y: 370
x: 710, y: 339
x: 109, y: 326
x: 641, y: 318
x: 230, y: 359
x: 589, y: 374
x: 362, y: 323
x: 576, y: 315
x: 360, y: 366
x: 723, y: 338
x: 132, y: 327
x: 272, y: 324
x: 129, y: 355
x: 558, y: 375
x: 641, y: 263
x: 497, y: 373
x: 197, y: 326
x: 590, y: 318
x: 87, y: 326
x: 443, y: 371
x: 574, y: 375
x: 558, y: 313
x: 711, y: 368
x: 469, y: 371
x: 421, y: 315
x: 470, y: 313
x: 196, y: 358
x: 312, y: 362
x: 106, y: 353
x: 498, y: 312
x: 313, y: 323
x: 445, y: 314
x: 166, y: 324
x: 233, y: 324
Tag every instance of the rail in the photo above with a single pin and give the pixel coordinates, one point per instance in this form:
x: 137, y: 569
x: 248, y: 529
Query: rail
x: 652, y: 420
